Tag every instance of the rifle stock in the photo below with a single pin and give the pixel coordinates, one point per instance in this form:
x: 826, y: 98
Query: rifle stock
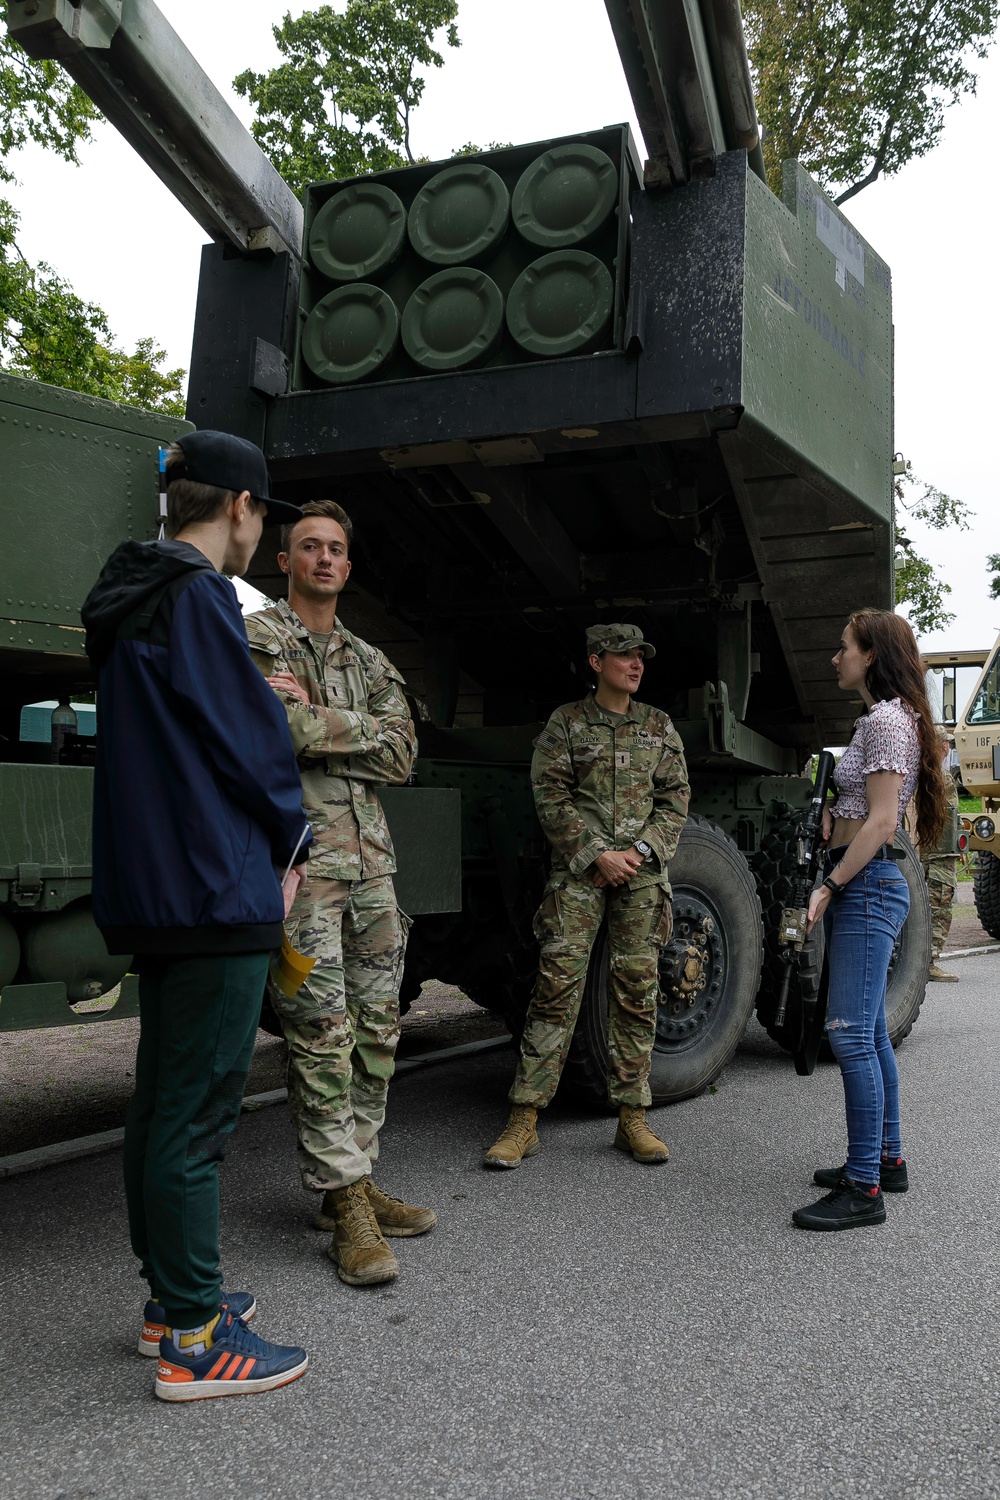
x: 792, y: 932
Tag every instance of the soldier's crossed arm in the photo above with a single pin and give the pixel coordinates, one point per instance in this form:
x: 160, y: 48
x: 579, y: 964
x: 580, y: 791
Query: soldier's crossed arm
x: 553, y: 785
x: 671, y: 798
x: 388, y: 760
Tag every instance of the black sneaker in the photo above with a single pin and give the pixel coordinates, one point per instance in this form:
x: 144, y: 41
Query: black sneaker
x: 892, y: 1176
x: 847, y: 1207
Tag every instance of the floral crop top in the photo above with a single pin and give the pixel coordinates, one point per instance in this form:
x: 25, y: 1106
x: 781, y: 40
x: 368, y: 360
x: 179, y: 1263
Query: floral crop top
x: 884, y: 739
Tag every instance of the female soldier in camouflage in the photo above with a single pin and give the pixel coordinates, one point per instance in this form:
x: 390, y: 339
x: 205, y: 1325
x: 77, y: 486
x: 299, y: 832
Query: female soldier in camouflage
x: 611, y: 792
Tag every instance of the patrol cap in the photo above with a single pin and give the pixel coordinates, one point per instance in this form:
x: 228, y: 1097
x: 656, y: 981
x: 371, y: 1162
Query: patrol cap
x: 617, y: 638
x: 230, y: 463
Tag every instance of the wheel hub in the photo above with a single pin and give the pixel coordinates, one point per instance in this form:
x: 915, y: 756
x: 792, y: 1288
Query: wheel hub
x: 692, y: 969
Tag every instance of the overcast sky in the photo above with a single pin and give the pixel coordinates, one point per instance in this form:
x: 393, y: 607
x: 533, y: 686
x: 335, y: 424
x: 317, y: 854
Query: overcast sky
x: 528, y: 69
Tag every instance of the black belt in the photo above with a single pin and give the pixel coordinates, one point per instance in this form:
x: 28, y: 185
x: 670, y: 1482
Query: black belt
x: 884, y: 851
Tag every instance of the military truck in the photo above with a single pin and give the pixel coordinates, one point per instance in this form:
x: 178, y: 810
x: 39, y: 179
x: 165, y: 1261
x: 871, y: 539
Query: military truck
x: 977, y: 741
x: 556, y: 384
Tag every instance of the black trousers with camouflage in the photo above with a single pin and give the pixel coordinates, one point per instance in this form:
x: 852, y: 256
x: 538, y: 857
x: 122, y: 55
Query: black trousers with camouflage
x: 567, y: 922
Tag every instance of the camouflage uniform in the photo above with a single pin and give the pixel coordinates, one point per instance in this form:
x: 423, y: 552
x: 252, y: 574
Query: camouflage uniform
x: 343, y: 1024
x: 942, y: 880
x: 601, y: 782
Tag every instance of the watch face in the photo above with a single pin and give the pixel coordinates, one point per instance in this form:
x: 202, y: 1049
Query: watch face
x: 642, y: 848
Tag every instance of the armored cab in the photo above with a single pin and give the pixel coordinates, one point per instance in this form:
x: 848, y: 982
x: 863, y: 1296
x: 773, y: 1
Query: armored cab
x: 79, y: 476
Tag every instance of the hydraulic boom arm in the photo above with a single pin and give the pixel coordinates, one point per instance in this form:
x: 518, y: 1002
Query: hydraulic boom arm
x: 134, y: 66
x: 688, y: 73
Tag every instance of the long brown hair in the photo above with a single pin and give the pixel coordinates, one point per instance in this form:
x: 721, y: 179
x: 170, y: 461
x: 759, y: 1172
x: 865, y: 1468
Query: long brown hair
x: 897, y: 671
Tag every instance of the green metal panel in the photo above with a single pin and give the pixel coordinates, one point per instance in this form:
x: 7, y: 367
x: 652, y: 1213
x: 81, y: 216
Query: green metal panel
x: 84, y: 474
x: 29, y: 1007
x: 44, y: 836
x: 426, y: 828
x: 817, y: 362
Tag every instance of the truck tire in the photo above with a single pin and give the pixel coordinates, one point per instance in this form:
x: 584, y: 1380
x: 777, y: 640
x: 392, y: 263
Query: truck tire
x: 910, y: 960
x: 911, y: 957
x: 986, y: 891
x: 709, y: 973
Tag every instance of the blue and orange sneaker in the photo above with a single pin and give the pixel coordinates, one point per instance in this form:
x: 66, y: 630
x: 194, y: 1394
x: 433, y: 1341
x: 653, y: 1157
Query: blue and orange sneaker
x: 238, y: 1364
x: 154, y: 1319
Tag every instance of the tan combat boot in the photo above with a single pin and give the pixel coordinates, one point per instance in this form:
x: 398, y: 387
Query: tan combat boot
x: 395, y: 1218
x: 519, y: 1139
x: 357, y: 1249
x: 634, y: 1135
x: 936, y: 973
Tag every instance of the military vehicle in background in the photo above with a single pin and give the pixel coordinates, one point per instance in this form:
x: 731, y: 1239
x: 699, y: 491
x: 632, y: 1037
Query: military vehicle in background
x: 555, y: 384
x: 977, y: 742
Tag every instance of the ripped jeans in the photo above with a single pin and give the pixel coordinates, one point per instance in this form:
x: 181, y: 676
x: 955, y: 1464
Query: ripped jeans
x: 861, y: 929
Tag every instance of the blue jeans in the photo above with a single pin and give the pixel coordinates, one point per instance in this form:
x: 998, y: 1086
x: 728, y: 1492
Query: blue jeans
x: 861, y: 928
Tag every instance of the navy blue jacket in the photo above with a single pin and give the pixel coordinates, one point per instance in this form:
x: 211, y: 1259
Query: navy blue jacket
x: 197, y: 795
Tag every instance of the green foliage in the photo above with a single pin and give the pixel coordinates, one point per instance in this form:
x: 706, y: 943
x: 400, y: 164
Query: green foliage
x: 920, y: 589
x: 47, y: 332
x: 38, y: 102
x: 917, y: 584
x: 993, y: 566
x: 340, y: 103
x: 854, y: 89
x: 470, y: 149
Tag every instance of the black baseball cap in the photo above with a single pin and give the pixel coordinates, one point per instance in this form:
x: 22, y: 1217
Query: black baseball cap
x: 230, y: 463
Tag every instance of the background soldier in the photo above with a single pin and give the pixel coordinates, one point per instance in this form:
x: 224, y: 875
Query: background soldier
x: 352, y: 731
x: 942, y: 877
x: 611, y: 791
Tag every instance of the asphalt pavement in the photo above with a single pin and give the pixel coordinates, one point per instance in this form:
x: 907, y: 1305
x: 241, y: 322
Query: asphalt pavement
x: 582, y: 1327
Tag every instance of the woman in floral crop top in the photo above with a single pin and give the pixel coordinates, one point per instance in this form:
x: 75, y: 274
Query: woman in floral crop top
x: 894, y: 755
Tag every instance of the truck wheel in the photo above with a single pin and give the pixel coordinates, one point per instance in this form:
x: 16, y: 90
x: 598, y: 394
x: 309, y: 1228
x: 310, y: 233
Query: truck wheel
x: 912, y: 955
x: 709, y: 973
x: 986, y: 891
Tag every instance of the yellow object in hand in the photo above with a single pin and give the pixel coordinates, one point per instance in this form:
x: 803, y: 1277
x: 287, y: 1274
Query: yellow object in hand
x: 289, y: 968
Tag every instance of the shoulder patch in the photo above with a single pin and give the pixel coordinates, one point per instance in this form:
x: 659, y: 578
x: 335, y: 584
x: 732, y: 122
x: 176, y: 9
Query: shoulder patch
x: 262, y: 635
x: 547, y: 740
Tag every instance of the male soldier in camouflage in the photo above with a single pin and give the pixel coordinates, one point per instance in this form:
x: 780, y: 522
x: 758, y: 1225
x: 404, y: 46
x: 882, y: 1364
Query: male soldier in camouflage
x: 611, y: 791
x: 942, y: 881
x: 352, y: 732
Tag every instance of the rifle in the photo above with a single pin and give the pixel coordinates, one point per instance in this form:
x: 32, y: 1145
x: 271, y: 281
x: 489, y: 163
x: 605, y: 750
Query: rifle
x: 792, y: 931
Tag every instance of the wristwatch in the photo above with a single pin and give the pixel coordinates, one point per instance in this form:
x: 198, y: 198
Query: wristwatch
x: 643, y: 848
x: 835, y: 886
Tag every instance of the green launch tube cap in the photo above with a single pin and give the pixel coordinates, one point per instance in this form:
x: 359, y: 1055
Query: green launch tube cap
x: 454, y: 320
x: 460, y: 215
x: 565, y: 196
x: 350, y: 333
x: 561, y: 304
x: 358, y: 232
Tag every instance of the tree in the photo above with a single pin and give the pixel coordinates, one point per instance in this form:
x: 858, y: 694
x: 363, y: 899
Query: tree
x: 46, y: 331
x: 341, y: 102
x: 917, y: 585
x: 854, y: 89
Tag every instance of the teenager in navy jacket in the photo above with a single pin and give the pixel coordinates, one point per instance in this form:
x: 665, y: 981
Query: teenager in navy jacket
x: 197, y: 815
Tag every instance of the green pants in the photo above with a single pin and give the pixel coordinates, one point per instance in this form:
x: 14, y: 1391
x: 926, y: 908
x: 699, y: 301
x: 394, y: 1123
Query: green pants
x: 342, y: 1026
x: 639, y: 923
x: 198, y: 1022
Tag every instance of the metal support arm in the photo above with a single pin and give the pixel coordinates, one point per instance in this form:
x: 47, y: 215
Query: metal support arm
x: 688, y: 73
x: 139, y: 73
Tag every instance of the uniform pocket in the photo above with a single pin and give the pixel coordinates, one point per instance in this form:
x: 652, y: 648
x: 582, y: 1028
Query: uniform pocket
x: 546, y: 923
